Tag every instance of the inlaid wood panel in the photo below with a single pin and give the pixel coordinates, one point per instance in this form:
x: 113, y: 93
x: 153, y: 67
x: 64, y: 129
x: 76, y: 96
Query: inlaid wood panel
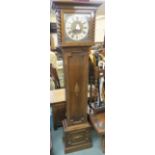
x: 76, y: 73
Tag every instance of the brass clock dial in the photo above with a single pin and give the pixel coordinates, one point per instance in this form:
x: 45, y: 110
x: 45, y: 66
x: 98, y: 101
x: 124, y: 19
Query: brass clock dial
x: 77, y: 27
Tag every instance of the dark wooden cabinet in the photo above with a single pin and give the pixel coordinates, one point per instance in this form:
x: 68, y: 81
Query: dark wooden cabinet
x: 75, y: 28
x: 59, y: 111
x: 58, y: 104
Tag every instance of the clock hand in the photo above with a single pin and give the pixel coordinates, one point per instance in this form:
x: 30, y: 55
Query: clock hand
x: 77, y: 27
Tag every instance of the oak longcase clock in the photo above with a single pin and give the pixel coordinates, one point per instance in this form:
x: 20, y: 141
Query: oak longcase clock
x: 75, y: 28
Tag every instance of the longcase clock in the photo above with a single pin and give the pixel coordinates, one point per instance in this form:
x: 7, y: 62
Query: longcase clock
x: 75, y: 28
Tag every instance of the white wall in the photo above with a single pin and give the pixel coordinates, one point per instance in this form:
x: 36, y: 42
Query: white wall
x: 55, y: 39
x: 100, y: 28
x: 52, y: 17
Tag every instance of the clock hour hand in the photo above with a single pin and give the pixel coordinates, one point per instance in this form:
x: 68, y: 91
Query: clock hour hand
x: 78, y: 27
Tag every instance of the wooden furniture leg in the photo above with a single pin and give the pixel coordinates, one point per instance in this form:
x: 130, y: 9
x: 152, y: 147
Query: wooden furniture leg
x: 103, y: 143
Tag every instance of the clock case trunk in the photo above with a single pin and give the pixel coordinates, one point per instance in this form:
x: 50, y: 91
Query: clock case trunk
x: 77, y: 130
x: 77, y: 134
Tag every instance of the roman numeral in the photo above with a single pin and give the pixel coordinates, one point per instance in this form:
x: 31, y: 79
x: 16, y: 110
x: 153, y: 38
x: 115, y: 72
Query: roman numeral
x: 72, y: 35
x: 69, y: 32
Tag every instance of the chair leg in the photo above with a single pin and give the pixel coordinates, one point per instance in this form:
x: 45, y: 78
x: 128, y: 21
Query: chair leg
x: 103, y: 143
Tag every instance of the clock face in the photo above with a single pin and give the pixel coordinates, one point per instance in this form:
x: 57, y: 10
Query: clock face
x: 77, y: 26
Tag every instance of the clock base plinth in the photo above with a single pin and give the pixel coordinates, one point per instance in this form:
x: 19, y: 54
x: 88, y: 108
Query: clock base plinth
x: 76, y: 137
